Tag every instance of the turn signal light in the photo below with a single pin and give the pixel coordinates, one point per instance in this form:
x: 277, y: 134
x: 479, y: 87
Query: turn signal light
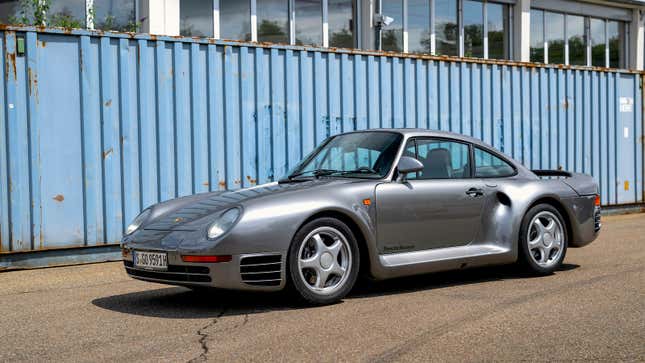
x: 206, y: 259
x: 597, y: 202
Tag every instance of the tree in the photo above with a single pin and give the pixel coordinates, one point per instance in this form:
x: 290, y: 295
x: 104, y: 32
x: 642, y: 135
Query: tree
x: 271, y: 31
x: 342, y: 39
x: 390, y: 40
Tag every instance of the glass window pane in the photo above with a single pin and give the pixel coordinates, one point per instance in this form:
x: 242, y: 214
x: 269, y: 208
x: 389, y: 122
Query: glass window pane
x: 392, y: 35
x: 473, y: 29
x: 443, y: 159
x: 446, y: 29
x: 10, y: 12
x: 598, y: 43
x: 554, y: 32
x: 116, y: 15
x: 196, y: 18
x: 497, y: 30
x: 616, y: 36
x: 419, y: 26
x: 273, y: 21
x: 308, y: 22
x: 488, y: 165
x: 577, y: 43
x: 340, y: 14
x: 537, y: 36
x: 67, y: 13
x: 235, y: 19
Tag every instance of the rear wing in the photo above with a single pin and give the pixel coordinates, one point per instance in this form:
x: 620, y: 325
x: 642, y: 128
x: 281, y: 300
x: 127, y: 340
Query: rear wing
x: 551, y: 173
x: 583, y: 184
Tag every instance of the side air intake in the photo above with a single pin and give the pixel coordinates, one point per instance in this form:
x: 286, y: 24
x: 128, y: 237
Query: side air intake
x: 261, y: 270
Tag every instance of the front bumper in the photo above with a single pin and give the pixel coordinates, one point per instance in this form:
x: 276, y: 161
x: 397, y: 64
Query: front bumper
x: 256, y: 271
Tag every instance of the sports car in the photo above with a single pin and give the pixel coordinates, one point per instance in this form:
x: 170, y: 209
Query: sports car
x: 381, y: 203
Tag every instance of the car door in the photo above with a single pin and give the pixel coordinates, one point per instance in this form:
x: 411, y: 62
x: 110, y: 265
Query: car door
x: 437, y: 207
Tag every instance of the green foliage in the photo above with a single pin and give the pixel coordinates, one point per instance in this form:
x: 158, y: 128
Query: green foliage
x: 65, y: 19
x: 390, y: 40
x: 110, y: 22
x: 271, y: 31
x: 341, y: 39
x: 36, y: 12
x: 31, y: 12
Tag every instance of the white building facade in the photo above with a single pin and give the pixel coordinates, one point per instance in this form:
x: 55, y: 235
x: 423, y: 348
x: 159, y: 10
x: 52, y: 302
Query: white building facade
x: 588, y: 33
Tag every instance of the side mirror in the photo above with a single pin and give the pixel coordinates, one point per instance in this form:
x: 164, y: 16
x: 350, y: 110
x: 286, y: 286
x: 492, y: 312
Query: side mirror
x: 408, y: 165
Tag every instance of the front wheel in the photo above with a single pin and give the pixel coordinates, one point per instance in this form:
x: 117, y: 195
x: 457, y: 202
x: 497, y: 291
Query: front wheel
x: 324, y: 261
x: 543, y: 239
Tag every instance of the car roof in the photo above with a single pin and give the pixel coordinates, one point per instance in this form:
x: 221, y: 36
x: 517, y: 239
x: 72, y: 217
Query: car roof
x: 418, y: 132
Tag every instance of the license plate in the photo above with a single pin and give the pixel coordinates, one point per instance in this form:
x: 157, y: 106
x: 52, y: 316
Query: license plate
x: 150, y: 260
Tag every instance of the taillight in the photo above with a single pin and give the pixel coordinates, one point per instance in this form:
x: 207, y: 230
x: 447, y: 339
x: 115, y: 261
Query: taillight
x: 206, y: 259
x: 597, y: 202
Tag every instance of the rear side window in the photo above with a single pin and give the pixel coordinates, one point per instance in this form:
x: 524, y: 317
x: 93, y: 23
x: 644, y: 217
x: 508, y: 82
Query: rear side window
x: 488, y: 165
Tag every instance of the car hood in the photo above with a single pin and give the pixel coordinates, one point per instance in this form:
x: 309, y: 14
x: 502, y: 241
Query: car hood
x: 193, y: 212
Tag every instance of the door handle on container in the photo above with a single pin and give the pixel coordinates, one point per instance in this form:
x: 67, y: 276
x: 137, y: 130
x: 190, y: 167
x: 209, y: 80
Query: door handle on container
x: 475, y: 192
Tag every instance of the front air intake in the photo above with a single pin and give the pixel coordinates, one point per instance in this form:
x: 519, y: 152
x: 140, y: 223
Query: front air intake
x: 261, y: 270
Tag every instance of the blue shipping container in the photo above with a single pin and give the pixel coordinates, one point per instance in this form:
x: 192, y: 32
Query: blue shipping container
x: 96, y: 126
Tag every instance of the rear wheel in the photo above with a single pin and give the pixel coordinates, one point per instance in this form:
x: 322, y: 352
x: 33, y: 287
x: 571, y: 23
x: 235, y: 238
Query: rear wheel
x: 324, y: 261
x: 543, y: 239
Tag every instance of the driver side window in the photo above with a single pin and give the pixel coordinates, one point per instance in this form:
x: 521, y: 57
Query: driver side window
x: 441, y: 159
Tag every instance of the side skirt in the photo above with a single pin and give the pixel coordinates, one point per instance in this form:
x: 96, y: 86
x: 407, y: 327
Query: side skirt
x: 443, y: 259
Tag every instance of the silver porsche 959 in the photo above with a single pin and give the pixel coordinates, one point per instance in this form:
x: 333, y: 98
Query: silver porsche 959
x: 384, y: 203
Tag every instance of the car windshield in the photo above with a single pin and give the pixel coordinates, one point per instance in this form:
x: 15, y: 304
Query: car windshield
x: 359, y: 154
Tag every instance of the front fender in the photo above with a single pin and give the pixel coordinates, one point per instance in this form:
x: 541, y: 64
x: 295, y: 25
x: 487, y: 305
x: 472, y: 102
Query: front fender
x: 269, y: 225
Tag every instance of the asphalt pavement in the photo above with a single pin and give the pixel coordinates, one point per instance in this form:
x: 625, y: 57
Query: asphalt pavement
x: 591, y: 310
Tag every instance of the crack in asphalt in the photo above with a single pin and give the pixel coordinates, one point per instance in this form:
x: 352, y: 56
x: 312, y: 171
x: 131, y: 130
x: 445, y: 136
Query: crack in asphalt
x: 204, y: 335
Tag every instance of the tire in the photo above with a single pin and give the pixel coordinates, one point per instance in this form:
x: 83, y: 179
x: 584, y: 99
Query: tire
x: 324, y: 261
x: 543, y: 240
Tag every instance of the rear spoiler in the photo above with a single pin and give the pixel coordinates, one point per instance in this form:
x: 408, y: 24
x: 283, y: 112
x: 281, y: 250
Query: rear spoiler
x: 583, y: 184
x: 556, y: 173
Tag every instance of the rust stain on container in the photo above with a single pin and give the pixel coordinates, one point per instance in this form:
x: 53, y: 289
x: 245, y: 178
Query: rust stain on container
x: 206, y: 184
x: 565, y: 104
x: 107, y: 153
x: 33, y: 83
x: 108, y: 103
x: 11, y: 65
x: 251, y: 180
x: 59, y: 198
x: 222, y: 184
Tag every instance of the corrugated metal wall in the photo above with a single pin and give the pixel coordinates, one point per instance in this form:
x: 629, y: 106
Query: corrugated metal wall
x: 95, y: 127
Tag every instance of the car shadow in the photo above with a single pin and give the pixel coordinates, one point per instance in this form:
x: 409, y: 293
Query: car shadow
x: 446, y: 279
x: 183, y: 303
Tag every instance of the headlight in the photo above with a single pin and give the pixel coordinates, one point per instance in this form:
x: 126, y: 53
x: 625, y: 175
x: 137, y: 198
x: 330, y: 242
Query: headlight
x: 223, y: 223
x: 136, y: 223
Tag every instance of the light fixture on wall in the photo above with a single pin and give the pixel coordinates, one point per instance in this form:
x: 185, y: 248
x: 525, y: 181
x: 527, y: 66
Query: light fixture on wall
x: 381, y: 21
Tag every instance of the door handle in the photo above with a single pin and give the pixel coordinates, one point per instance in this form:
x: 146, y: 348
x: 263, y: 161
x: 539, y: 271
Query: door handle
x: 475, y: 192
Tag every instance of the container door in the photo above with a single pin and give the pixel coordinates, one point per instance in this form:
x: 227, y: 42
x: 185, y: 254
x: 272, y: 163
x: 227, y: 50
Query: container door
x: 625, y: 141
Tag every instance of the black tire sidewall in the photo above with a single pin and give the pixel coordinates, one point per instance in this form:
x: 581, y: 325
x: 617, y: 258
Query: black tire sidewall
x: 524, y: 252
x: 295, y: 280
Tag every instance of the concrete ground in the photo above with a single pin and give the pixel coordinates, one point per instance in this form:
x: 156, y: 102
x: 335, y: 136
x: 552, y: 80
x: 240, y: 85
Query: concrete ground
x: 591, y: 310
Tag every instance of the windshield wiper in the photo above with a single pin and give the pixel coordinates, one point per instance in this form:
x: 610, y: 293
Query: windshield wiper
x: 361, y: 170
x: 324, y: 172
x: 316, y: 173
